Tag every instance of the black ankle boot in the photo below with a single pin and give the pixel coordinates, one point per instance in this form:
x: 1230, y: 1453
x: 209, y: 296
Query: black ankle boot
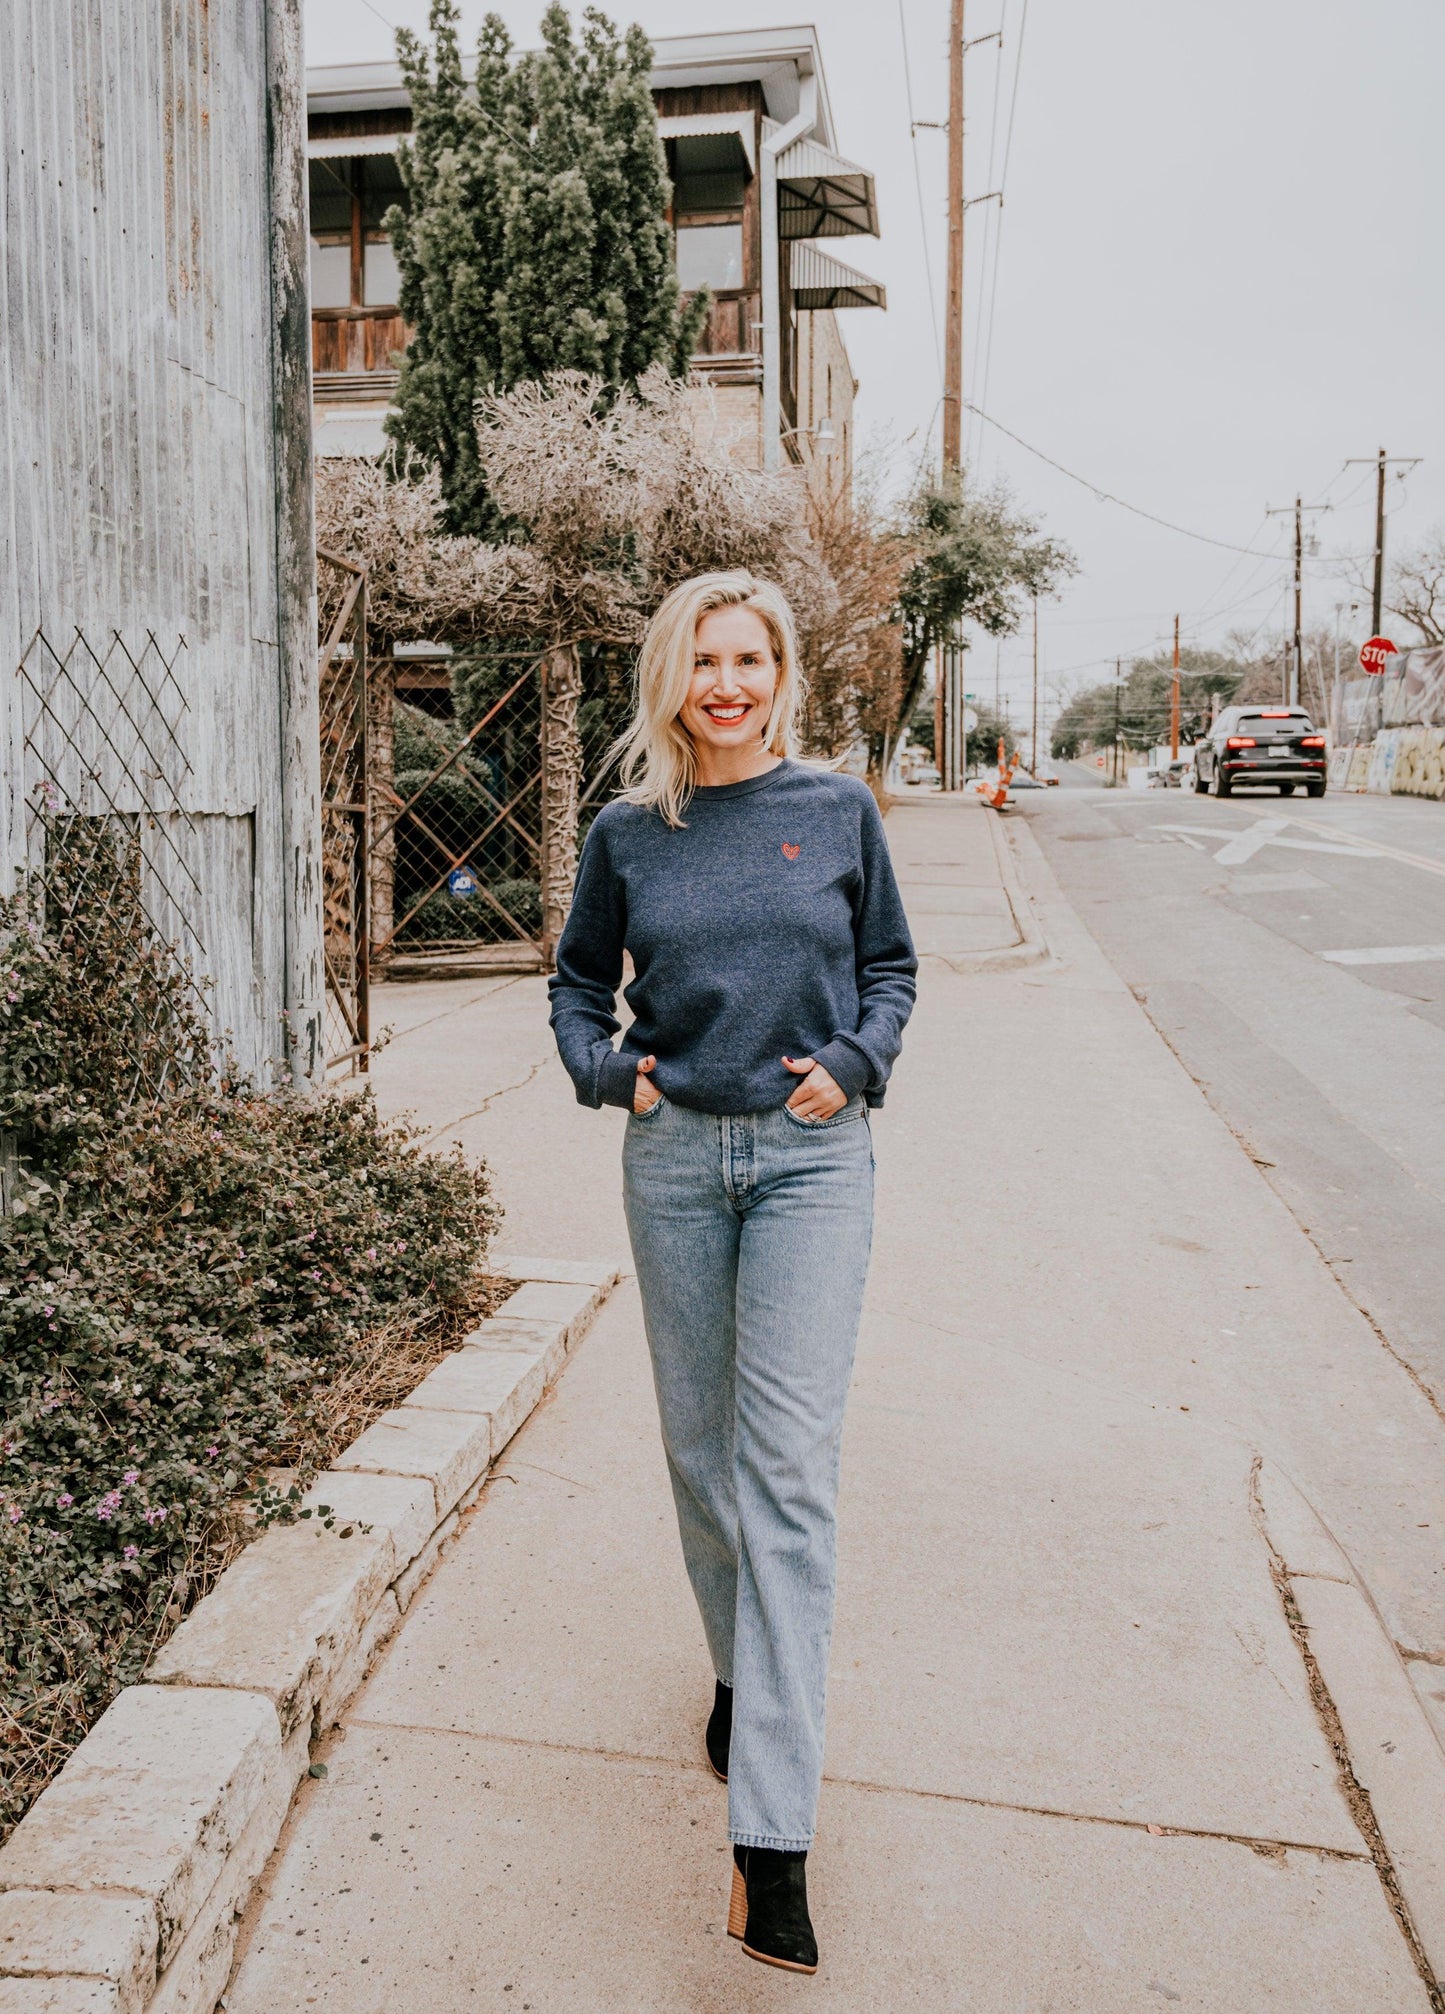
x: 720, y: 1730
x: 770, y: 1908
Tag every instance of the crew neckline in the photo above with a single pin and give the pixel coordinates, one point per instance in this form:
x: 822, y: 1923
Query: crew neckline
x: 713, y: 793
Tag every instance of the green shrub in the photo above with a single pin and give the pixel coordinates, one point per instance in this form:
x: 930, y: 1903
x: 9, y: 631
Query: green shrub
x: 186, y: 1266
x: 470, y: 918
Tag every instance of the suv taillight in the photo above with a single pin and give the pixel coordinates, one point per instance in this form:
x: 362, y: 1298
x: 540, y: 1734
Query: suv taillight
x: 1312, y: 741
x: 1241, y: 741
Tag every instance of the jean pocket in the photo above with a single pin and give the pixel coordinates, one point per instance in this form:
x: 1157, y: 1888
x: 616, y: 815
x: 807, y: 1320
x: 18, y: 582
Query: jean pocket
x: 854, y: 1109
x: 651, y: 1112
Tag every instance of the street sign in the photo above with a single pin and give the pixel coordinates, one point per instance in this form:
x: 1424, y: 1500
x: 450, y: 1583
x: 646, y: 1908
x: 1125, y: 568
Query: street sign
x: 461, y: 881
x: 970, y: 720
x: 1376, y: 654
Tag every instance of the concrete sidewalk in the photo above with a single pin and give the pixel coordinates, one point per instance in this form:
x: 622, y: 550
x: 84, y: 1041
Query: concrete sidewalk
x: 1074, y: 1762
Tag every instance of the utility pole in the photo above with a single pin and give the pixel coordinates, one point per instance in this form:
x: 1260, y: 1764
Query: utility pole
x: 1034, y: 738
x: 953, y: 325
x: 1294, y: 671
x: 958, y: 206
x: 1118, y: 693
x: 1174, y: 700
x: 1382, y: 461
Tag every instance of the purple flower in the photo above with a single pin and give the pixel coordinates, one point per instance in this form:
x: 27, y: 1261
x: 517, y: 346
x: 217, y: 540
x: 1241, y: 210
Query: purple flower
x: 64, y: 1500
x: 131, y: 1476
x: 156, y: 1515
x: 213, y: 1451
x: 132, y: 1552
x: 108, y: 1505
x: 15, y: 1513
x: 48, y: 1311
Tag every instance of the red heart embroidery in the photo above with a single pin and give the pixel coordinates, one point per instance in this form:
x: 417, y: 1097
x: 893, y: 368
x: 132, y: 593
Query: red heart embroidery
x: 792, y: 852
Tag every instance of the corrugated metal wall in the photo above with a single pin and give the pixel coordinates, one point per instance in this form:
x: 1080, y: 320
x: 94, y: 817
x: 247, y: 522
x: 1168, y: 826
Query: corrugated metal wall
x: 149, y: 583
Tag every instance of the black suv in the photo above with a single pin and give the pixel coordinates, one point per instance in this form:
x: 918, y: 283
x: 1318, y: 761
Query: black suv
x: 1261, y: 744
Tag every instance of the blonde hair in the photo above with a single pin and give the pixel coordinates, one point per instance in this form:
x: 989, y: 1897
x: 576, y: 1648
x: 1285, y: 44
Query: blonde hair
x: 659, y: 761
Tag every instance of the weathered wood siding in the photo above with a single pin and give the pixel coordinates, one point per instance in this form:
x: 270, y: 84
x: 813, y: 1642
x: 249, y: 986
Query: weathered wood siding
x: 157, y: 573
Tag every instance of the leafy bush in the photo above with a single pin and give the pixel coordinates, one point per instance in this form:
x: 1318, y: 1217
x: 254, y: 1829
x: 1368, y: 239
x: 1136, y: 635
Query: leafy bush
x: 187, y: 1267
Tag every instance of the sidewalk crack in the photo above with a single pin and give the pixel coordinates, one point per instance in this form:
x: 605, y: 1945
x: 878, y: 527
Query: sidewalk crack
x: 1269, y: 1848
x: 1356, y: 1796
x: 450, y: 1125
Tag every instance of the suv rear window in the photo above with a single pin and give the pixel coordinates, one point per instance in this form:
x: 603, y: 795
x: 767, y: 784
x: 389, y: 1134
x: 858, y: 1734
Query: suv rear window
x: 1265, y: 728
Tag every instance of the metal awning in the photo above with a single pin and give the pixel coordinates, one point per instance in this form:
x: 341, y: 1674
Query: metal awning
x: 822, y: 282
x: 820, y: 195
x: 342, y: 146
x: 738, y: 127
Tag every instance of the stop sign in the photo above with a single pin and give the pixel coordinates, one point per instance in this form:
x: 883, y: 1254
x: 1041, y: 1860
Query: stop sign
x: 1376, y: 654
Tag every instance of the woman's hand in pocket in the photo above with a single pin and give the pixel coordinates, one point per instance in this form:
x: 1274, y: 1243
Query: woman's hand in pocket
x: 646, y: 1095
x: 817, y: 1097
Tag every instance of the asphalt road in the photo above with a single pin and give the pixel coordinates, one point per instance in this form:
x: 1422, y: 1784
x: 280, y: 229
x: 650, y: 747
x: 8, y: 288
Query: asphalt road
x: 1292, y: 953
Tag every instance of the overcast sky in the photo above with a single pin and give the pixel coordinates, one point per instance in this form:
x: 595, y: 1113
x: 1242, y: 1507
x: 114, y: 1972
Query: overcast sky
x: 1219, y: 275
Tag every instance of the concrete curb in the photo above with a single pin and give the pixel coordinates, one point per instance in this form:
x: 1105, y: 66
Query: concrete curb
x: 1392, y: 1765
x: 122, y: 1888
x: 1032, y: 947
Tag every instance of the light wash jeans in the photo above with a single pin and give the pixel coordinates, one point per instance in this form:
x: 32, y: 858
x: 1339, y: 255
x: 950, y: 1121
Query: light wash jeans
x: 751, y: 1237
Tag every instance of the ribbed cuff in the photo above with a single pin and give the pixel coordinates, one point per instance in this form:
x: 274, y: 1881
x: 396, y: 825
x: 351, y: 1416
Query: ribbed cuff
x: 617, y: 1080
x: 849, y: 1068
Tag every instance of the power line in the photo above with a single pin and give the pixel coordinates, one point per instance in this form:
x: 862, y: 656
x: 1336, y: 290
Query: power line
x: 918, y: 186
x: 1107, y: 496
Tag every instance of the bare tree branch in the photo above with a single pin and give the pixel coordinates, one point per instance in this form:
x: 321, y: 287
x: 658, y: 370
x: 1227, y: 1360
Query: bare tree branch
x: 1417, y: 588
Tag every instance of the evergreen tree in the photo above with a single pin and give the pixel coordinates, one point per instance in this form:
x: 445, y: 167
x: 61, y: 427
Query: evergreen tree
x: 535, y: 236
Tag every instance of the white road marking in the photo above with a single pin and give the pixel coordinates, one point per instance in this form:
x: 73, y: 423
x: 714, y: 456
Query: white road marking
x: 1246, y: 844
x: 1388, y: 954
x: 1360, y: 843
x: 1243, y: 845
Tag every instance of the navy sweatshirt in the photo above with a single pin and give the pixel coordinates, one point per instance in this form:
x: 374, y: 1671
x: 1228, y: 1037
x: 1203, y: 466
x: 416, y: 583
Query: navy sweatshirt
x: 770, y: 925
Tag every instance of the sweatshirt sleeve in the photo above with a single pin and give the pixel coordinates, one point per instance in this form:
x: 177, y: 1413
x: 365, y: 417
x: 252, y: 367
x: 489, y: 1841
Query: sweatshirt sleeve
x: 860, y: 1060
x: 584, y: 987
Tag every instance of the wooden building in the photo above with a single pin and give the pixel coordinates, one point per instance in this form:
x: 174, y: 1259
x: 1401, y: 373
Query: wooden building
x: 758, y: 183
x: 157, y: 576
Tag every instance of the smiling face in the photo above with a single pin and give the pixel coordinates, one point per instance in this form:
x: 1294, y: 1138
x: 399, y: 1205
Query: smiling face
x: 734, y: 677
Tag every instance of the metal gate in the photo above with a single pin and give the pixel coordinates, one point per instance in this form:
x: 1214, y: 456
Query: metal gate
x: 345, y: 811
x: 457, y: 846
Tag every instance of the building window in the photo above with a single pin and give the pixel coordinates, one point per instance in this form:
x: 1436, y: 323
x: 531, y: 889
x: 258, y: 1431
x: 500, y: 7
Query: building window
x: 381, y: 278
x: 330, y: 273
x: 709, y: 255
x: 709, y: 188
x: 352, y: 262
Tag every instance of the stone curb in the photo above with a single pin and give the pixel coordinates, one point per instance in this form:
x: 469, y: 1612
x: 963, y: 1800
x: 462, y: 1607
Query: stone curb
x: 122, y: 1888
x: 1393, y: 1751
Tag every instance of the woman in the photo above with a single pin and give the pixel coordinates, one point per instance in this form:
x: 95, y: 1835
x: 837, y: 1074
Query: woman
x: 774, y: 976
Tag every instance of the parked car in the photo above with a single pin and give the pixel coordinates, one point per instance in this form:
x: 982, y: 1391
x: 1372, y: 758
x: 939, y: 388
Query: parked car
x: 1251, y: 745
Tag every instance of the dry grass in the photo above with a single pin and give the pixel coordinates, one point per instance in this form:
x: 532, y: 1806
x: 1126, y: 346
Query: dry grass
x: 386, y: 1366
